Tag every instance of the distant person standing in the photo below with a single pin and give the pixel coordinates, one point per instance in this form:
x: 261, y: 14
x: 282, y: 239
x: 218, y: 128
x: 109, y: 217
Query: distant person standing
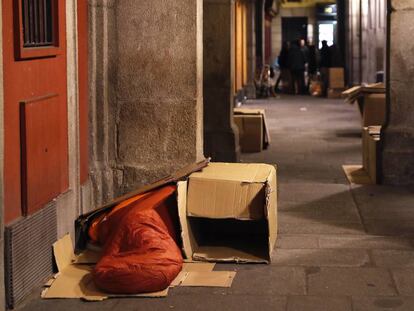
x: 305, y: 50
x: 283, y: 61
x: 312, y: 64
x: 297, y: 67
x: 324, y: 64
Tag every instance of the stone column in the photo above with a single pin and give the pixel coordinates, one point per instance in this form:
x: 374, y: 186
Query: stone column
x: 148, y: 98
x: 105, y: 177
x: 251, y: 49
x: 220, y: 132
x: 398, y: 147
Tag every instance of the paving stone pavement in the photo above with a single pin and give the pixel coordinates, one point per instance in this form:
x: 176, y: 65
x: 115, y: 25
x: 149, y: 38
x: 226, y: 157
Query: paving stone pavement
x: 340, y: 247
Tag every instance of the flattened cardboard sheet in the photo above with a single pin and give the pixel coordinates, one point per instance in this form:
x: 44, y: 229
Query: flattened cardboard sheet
x: 63, y: 252
x: 209, y: 279
x: 198, y: 266
x: 75, y: 281
x: 202, y: 275
x: 356, y: 174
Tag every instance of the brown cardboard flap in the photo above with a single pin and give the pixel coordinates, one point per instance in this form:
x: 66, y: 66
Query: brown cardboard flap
x: 179, y: 278
x: 75, y: 281
x: 63, y: 252
x: 190, y: 268
x: 186, y: 234
x: 198, y: 266
x: 239, y: 172
x: 225, y: 199
x: 230, y: 254
x: 356, y: 174
x: 228, y: 190
x: 209, y: 279
x: 271, y: 208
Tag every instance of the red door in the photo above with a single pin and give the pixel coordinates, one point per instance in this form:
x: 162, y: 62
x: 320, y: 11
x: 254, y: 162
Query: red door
x: 35, y: 107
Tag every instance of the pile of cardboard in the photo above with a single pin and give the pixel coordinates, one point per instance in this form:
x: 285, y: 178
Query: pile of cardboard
x: 367, y: 173
x: 336, y: 82
x: 253, y: 131
x: 74, y: 278
x: 227, y: 213
x: 371, y: 101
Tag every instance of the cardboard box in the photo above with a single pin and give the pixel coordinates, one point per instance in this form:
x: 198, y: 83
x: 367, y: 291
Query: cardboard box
x: 250, y: 132
x: 230, y: 213
x: 252, y: 137
x: 336, y: 78
x: 367, y: 173
x: 374, y: 110
x: 371, y: 137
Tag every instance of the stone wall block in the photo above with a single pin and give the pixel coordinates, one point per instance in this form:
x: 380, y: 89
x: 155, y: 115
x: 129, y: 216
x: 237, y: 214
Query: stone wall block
x: 152, y: 133
x: 402, y: 4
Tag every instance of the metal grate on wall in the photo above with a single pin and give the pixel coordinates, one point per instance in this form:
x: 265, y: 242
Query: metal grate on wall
x: 37, y: 22
x: 28, y: 253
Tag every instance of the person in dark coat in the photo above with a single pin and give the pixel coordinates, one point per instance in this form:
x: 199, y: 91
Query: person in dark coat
x: 312, y: 64
x: 283, y: 61
x: 297, y: 67
x: 324, y: 64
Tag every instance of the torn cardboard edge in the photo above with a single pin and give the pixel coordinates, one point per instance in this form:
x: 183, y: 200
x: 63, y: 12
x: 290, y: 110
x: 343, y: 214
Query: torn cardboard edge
x: 74, y: 279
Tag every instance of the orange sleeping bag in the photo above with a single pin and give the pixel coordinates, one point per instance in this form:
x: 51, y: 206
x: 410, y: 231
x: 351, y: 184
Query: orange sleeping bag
x: 140, y: 250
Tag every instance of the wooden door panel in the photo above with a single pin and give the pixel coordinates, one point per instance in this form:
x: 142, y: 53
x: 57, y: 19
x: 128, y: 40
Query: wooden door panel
x: 40, y: 145
x: 40, y: 74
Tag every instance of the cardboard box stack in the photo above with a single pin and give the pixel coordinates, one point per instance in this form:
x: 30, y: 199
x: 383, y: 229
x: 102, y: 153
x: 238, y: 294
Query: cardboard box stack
x: 253, y: 134
x: 371, y: 101
x: 336, y: 82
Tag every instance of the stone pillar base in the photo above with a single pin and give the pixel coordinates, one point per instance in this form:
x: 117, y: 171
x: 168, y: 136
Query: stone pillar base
x: 398, y: 157
x: 222, y: 146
